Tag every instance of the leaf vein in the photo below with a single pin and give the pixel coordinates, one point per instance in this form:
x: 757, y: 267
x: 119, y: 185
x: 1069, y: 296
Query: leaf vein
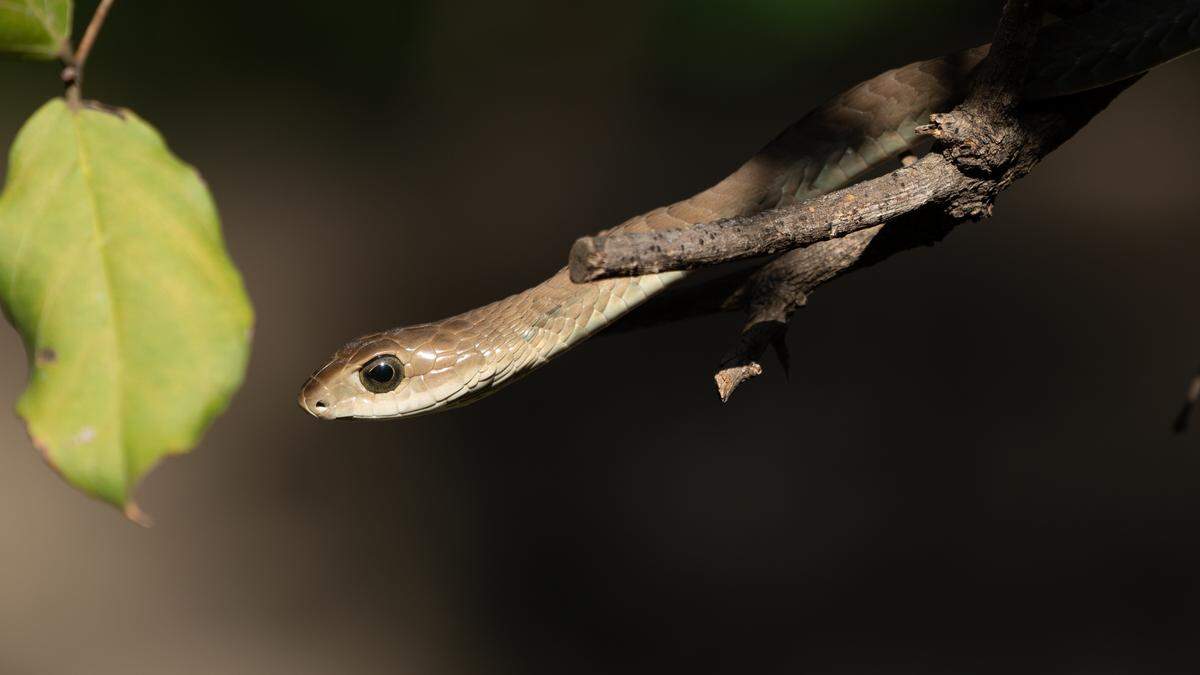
x: 89, y: 188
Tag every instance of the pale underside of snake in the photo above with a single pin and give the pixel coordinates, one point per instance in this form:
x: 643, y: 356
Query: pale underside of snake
x: 435, y: 366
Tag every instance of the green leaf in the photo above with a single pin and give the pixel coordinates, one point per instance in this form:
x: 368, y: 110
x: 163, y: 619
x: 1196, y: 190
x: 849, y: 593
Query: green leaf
x: 38, y: 28
x: 114, y: 271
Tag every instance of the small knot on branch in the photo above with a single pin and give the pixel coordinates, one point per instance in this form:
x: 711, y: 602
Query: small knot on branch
x: 980, y: 145
x: 988, y: 149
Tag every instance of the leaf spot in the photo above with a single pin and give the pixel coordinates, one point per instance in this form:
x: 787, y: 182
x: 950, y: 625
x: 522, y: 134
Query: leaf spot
x: 86, y: 435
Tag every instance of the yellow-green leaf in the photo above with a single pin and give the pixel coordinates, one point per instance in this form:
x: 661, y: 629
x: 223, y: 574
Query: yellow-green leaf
x: 38, y: 28
x: 114, y: 271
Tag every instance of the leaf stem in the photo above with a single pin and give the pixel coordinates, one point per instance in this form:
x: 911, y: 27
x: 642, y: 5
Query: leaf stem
x: 72, y: 74
x: 93, y: 30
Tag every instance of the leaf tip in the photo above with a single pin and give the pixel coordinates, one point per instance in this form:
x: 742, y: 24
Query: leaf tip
x: 137, y: 516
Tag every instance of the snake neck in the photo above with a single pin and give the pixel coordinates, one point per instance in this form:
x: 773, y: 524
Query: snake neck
x: 516, y: 335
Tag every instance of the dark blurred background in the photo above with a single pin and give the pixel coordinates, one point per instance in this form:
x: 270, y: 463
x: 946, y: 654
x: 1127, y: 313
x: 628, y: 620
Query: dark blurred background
x: 970, y: 470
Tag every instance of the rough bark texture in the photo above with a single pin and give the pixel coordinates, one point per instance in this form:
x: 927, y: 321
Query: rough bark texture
x: 831, y: 216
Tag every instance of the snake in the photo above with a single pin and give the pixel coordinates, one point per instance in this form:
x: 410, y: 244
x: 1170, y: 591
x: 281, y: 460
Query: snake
x: 430, y: 367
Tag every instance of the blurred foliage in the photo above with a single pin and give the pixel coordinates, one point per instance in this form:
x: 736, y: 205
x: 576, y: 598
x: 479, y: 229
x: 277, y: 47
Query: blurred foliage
x: 754, y: 42
x: 373, y: 42
x: 36, y: 28
x: 384, y: 47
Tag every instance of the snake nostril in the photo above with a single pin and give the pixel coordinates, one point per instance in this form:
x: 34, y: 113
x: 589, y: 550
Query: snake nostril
x: 320, y: 405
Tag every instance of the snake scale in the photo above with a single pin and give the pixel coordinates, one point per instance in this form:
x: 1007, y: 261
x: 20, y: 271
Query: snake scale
x: 435, y: 366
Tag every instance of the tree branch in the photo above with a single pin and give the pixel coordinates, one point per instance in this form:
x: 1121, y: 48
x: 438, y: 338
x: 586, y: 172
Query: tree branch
x: 980, y: 139
x: 92, y: 32
x: 771, y: 294
x: 782, y: 286
x: 72, y: 74
x: 995, y: 89
x: 864, y: 205
x: 981, y: 147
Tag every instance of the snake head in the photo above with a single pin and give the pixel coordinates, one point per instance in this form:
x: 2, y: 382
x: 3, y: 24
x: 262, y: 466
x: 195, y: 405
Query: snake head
x: 397, y: 373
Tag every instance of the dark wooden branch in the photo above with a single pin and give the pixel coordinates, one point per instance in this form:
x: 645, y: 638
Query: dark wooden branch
x: 983, y: 145
x: 980, y: 139
x: 798, y: 271
x: 774, y: 293
x: 770, y: 294
x: 1057, y: 121
x: 864, y: 205
x: 996, y: 86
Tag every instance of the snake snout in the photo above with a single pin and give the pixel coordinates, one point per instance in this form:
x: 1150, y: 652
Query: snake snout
x: 314, y: 399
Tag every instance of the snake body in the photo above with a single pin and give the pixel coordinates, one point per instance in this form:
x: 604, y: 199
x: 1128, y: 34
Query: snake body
x: 434, y: 366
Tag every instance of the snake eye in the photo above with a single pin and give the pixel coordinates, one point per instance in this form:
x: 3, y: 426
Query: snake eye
x: 381, y: 374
